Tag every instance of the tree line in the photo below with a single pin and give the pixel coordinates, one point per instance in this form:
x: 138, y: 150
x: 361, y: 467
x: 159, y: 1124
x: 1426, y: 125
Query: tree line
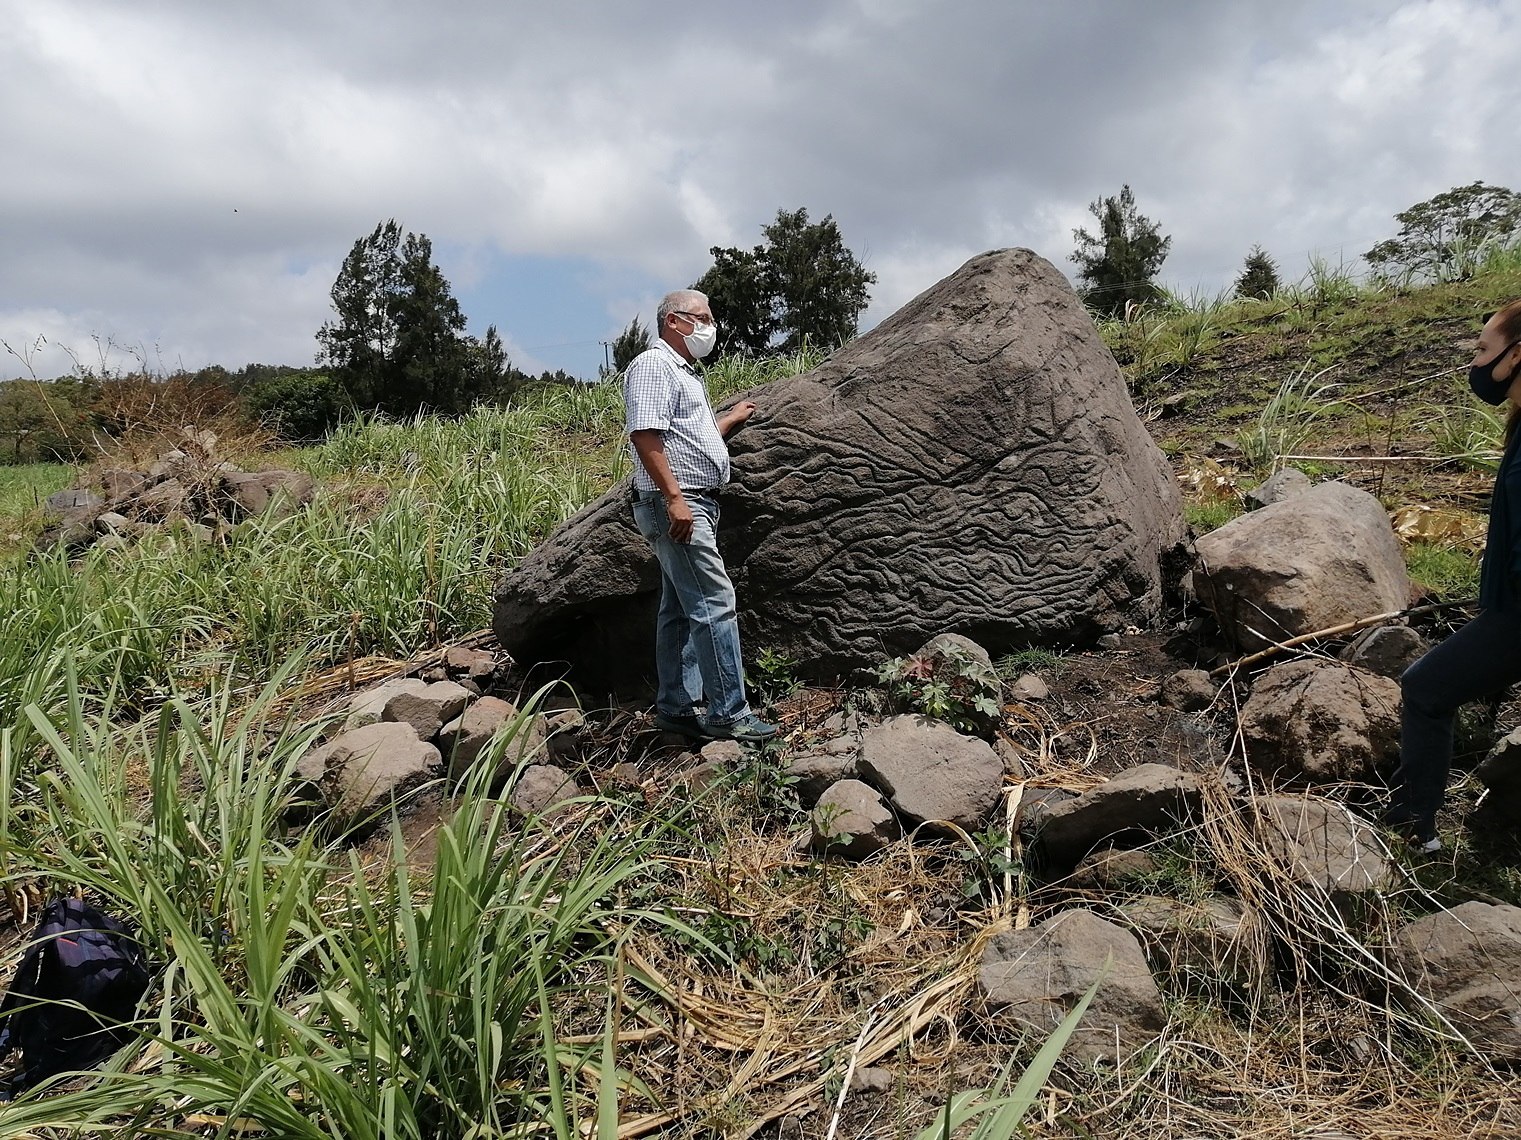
x: 396, y: 342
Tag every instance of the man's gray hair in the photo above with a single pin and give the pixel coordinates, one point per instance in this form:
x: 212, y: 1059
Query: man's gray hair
x: 676, y: 302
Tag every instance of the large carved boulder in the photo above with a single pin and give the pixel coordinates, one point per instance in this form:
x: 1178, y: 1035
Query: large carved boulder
x: 972, y: 465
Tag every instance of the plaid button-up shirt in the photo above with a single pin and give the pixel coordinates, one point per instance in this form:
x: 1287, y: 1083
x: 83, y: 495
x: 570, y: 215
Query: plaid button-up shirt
x: 662, y: 393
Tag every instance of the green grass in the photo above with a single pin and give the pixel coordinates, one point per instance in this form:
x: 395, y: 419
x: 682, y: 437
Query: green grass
x: 1447, y: 571
x: 300, y: 989
x: 415, y: 525
x: 1034, y: 660
x: 23, y: 488
x: 1211, y: 514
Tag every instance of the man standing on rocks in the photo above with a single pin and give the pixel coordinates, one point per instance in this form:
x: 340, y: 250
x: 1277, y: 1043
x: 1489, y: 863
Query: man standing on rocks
x: 681, y: 461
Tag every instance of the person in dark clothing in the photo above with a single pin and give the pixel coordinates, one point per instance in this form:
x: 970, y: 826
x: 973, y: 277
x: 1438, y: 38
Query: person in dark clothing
x: 1484, y: 656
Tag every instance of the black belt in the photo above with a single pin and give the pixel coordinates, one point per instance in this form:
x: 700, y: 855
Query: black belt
x: 694, y: 492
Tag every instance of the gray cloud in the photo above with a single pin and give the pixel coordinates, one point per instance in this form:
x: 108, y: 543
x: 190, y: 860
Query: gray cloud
x: 191, y: 175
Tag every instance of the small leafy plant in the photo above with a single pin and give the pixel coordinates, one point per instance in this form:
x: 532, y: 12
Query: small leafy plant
x: 773, y: 675
x: 948, y: 684
x: 987, y: 862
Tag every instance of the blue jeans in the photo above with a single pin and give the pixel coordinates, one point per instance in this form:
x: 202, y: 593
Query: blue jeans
x: 1477, y: 661
x: 697, y: 630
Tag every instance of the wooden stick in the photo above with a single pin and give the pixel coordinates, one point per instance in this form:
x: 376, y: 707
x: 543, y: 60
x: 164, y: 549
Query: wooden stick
x: 1334, y: 631
x: 1371, y: 458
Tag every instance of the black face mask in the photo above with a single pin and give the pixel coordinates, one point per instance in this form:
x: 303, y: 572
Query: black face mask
x: 1481, y: 378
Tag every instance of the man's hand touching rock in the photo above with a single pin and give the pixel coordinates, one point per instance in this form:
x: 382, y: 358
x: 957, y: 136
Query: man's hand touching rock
x: 740, y: 413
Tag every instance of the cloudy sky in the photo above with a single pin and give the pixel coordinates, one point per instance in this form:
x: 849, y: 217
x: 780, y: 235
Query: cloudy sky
x: 182, y: 179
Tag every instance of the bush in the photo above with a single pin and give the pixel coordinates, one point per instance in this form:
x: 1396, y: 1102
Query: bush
x: 299, y: 406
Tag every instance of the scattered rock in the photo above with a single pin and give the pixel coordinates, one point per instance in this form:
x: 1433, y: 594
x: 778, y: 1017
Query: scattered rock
x: 427, y: 709
x: 362, y: 772
x: 842, y: 746
x: 1203, y: 944
x: 465, y: 737
x: 728, y: 753
x: 1385, y: 649
x: 369, y: 706
x: 850, y: 819
x: 1306, y: 563
x: 247, y: 492
x: 473, y: 663
x: 1011, y: 756
x: 1029, y: 687
x: 811, y: 775
x: 167, y: 464
x: 872, y: 1081
x: 930, y: 771
x: 1109, y: 642
x: 954, y: 645
x: 1500, y: 772
x: 1006, y: 410
x: 164, y: 500
x: 256, y: 492
x: 626, y: 774
x: 1321, y: 722
x: 1190, y: 690
x: 1280, y: 485
x: 1033, y: 978
x: 700, y: 777
x: 1467, y: 960
x: 1140, y: 802
x: 541, y: 788
x: 843, y: 723
x: 1110, y: 867
x: 182, y: 483
x: 119, y: 484
x: 73, y: 499
x: 1322, y: 846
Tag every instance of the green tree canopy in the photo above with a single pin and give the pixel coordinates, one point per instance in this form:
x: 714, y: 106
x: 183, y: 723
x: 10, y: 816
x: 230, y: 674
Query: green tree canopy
x: 800, y: 286
x: 1119, y: 264
x: 398, y: 342
x: 1259, y: 275
x: 630, y: 343
x: 1444, y: 238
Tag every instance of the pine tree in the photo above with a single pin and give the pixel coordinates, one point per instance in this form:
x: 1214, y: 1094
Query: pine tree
x: 398, y: 343
x: 630, y: 343
x: 1118, y: 265
x: 1259, y: 275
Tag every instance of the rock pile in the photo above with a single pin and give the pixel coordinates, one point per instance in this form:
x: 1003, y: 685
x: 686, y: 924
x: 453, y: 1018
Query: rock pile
x: 187, y: 484
x: 410, y: 732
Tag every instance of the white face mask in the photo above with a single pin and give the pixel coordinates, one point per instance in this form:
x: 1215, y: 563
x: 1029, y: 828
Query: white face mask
x: 701, y: 340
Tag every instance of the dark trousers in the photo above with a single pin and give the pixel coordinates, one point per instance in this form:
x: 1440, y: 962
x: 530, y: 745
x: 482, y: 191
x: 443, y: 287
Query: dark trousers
x: 1479, y: 660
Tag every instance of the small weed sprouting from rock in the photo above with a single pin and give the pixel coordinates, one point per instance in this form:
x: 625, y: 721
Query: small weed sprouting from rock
x: 948, y: 684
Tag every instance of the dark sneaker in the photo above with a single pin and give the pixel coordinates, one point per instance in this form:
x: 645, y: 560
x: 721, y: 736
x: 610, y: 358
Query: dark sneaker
x: 748, y: 729
x: 688, y: 726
